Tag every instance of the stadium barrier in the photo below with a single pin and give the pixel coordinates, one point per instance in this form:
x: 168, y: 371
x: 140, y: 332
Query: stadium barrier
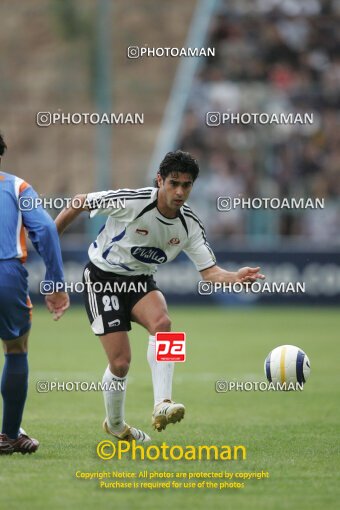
x: 319, y: 271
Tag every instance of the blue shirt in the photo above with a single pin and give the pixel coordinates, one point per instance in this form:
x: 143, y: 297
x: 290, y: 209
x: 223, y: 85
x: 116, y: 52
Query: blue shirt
x: 18, y: 214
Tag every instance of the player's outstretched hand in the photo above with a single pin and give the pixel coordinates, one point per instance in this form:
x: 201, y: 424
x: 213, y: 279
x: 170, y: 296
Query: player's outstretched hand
x: 249, y: 274
x: 57, y: 303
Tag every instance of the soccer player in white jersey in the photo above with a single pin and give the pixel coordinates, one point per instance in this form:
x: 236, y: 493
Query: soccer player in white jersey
x: 155, y: 225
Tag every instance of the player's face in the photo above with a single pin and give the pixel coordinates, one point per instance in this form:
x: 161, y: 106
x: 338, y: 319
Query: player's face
x: 174, y: 191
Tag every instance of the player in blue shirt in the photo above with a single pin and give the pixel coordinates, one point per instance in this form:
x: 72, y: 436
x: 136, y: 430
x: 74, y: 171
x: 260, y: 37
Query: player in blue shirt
x: 15, y: 304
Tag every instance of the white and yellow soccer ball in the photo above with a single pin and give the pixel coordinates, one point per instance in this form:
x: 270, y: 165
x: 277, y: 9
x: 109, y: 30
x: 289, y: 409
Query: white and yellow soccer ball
x: 287, y: 364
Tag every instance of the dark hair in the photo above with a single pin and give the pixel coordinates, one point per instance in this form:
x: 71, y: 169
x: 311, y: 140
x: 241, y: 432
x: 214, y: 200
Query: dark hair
x: 178, y: 162
x: 3, y: 146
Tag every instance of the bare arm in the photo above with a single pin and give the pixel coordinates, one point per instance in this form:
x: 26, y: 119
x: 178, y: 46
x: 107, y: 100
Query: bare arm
x: 69, y: 214
x: 216, y: 274
x: 58, y: 302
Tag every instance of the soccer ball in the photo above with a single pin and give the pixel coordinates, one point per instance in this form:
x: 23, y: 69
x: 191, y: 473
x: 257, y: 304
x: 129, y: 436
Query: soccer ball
x: 287, y: 364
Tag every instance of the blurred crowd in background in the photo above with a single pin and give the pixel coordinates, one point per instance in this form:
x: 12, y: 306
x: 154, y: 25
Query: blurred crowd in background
x: 271, y: 56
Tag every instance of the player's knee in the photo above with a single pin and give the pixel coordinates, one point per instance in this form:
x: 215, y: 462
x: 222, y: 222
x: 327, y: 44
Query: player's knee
x: 19, y: 349
x: 162, y: 324
x: 16, y: 346
x: 120, y: 367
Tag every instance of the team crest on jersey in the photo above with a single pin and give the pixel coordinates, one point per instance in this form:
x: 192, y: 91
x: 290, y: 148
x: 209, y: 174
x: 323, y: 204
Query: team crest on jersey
x: 142, y: 231
x: 149, y: 254
x: 174, y: 240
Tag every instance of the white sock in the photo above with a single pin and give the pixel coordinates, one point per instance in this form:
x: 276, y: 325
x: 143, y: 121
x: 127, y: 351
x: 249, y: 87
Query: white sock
x: 162, y: 373
x: 114, y: 400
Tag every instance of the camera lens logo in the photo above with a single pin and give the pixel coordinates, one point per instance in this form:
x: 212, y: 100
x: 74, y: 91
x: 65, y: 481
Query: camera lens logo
x: 133, y: 52
x: 205, y: 288
x: 42, y: 386
x: 221, y: 386
x: 213, y: 119
x: 44, y: 119
x: 224, y: 204
x: 26, y: 204
x: 46, y: 287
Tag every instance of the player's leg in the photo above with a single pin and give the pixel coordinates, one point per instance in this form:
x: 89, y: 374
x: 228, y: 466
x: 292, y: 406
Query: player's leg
x: 14, y: 384
x: 15, y: 323
x: 110, y: 321
x: 117, y: 348
x: 152, y: 313
x: 118, y: 352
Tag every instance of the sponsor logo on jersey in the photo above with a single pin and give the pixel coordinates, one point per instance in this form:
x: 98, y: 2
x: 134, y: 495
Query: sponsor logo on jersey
x: 174, y: 240
x: 149, y: 254
x: 142, y: 231
x: 116, y: 322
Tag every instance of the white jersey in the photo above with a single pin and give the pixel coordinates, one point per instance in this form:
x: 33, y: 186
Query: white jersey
x: 137, y: 237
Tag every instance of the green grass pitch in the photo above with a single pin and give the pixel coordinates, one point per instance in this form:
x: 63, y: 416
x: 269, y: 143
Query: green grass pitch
x: 293, y: 435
